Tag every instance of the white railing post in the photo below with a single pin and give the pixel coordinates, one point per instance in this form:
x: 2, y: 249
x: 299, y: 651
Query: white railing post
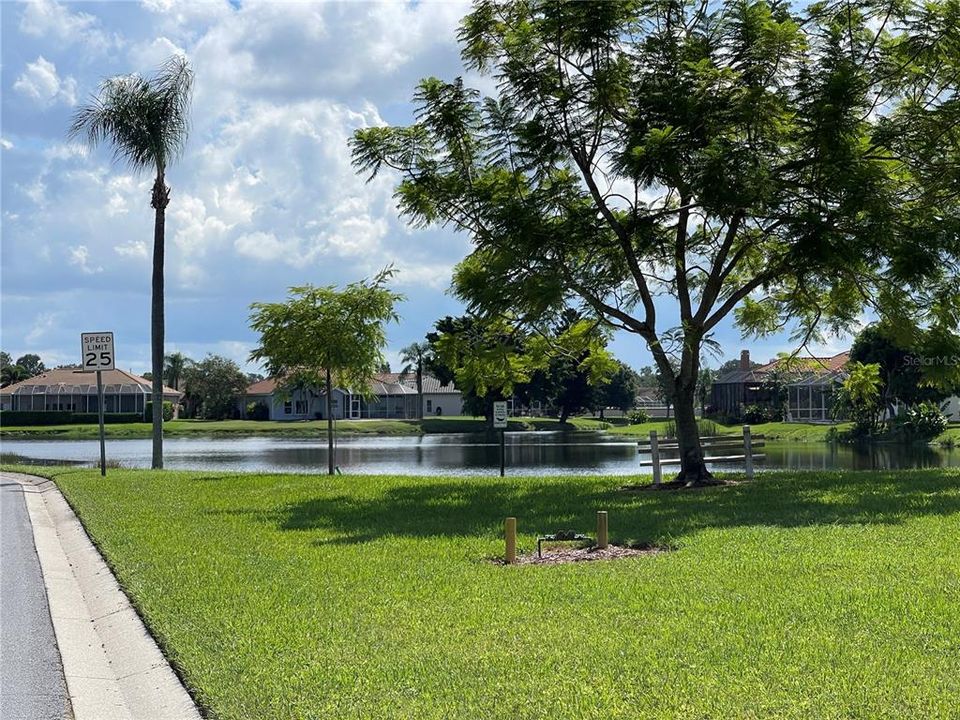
x: 655, y: 457
x: 748, y: 451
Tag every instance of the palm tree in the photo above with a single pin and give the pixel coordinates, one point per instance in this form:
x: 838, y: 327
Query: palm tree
x: 146, y: 121
x: 413, y: 357
x: 175, y: 364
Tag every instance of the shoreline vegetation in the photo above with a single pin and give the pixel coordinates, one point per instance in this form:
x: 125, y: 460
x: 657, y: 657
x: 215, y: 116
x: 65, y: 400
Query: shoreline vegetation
x: 828, y: 573
x: 779, y: 431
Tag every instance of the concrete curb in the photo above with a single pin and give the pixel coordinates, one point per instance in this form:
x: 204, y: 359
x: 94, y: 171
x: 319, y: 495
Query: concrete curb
x: 113, y: 667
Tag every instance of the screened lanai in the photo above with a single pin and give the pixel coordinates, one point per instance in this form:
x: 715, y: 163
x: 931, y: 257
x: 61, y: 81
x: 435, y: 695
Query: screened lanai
x: 811, y: 399
x: 69, y: 389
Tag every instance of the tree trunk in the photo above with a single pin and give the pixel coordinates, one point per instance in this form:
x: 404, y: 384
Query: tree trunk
x: 331, y: 461
x: 564, y: 414
x: 693, y: 470
x: 159, y: 201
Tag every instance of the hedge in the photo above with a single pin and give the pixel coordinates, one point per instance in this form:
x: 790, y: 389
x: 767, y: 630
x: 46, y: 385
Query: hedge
x: 62, y: 417
x: 167, y: 411
x: 108, y: 418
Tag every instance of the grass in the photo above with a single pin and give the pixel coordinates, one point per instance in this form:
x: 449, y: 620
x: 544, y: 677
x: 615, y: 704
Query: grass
x: 302, y: 428
x: 794, y: 432
x: 815, y: 595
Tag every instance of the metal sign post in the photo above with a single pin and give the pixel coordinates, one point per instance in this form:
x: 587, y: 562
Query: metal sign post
x: 97, y: 355
x: 500, y: 423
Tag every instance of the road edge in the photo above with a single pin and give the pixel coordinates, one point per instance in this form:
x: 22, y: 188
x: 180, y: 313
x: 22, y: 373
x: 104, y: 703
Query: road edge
x: 112, y: 665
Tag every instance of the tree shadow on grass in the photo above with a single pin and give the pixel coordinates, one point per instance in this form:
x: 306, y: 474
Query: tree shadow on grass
x: 461, y: 508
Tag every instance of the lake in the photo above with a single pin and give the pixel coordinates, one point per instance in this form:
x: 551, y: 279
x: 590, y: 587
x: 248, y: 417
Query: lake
x: 527, y: 453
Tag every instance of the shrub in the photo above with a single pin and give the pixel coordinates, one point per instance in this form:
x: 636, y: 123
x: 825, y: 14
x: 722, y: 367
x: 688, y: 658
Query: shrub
x: 258, y: 411
x: 35, y: 417
x: 167, y: 411
x: 638, y: 416
x: 705, y: 428
x: 108, y: 418
x: 756, y: 414
x: 920, y: 423
x: 62, y: 417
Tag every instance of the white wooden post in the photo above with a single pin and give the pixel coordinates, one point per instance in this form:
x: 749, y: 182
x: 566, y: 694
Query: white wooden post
x: 748, y: 451
x: 655, y: 457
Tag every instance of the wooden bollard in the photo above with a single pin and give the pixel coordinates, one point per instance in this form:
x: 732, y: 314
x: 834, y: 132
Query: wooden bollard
x: 748, y: 451
x: 655, y: 457
x: 602, y: 529
x: 510, y: 531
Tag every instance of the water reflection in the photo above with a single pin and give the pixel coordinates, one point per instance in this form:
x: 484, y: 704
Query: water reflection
x: 529, y: 453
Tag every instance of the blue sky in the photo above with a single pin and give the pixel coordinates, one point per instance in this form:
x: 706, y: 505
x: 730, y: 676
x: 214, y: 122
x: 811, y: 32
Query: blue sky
x: 264, y: 197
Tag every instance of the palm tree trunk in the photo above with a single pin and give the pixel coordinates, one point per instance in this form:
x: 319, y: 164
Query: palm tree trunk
x: 159, y: 201
x: 331, y: 462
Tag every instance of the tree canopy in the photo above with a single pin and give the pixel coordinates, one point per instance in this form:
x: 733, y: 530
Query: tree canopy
x: 325, y: 337
x: 795, y: 166
x: 214, y: 387
x: 320, y: 329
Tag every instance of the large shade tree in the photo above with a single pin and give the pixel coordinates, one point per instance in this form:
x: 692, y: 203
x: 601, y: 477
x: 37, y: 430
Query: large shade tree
x: 790, y: 165
x: 146, y: 120
x: 325, y: 337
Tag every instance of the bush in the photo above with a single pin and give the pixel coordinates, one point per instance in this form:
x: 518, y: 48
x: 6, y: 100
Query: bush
x: 12, y: 418
x: 638, y: 416
x: 705, y: 428
x: 108, y: 418
x: 167, y: 411
x: 258, y: 411
x: 756, y: 414
x: 35, y: 417
x: 920, y: 423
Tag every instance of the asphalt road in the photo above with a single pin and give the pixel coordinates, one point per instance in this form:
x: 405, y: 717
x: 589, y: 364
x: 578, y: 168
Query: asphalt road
x: 31, y: 675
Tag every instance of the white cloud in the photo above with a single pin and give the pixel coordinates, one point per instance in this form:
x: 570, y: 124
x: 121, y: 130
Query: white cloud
x: 37, y: 192
x: 79, y: 255
x: 133, y: 249
x: 65, y: 151
x: 39, y: 82
x: 42, y: 324
x: 267, y: 247
x: 148, y: 55
x: 50, y: 20
x: 5, y: 144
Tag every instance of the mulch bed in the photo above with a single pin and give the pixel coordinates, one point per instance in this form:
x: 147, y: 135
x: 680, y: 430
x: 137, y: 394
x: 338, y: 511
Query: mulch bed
x: 559, y: 555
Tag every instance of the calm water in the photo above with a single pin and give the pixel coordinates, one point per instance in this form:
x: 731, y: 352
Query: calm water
x: 529, y: 453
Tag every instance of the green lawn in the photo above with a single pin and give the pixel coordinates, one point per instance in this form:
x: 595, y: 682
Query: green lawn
x: 815, y: 595
x: 302, y: 428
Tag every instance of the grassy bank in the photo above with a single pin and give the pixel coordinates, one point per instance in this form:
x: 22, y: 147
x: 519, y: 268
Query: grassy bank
x: 818, y: 595
x: 303, y: 428
x: 793, y: 432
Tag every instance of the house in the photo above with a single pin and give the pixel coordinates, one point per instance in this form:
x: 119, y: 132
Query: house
x: 809, y: 391
x: 952, y: 408
x: 72, y: 389
x: 391, y: 396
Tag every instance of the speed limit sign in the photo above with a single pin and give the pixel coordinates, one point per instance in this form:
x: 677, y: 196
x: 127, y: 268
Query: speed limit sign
x: 97, y: 351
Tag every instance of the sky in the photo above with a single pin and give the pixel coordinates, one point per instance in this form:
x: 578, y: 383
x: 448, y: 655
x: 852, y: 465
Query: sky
x: 264, y: 196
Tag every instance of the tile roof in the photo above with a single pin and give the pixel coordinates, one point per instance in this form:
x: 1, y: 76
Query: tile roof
x: 262, y: 387
x: 75, y: 377
x: 814, y: 366
x: 380, y: 384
